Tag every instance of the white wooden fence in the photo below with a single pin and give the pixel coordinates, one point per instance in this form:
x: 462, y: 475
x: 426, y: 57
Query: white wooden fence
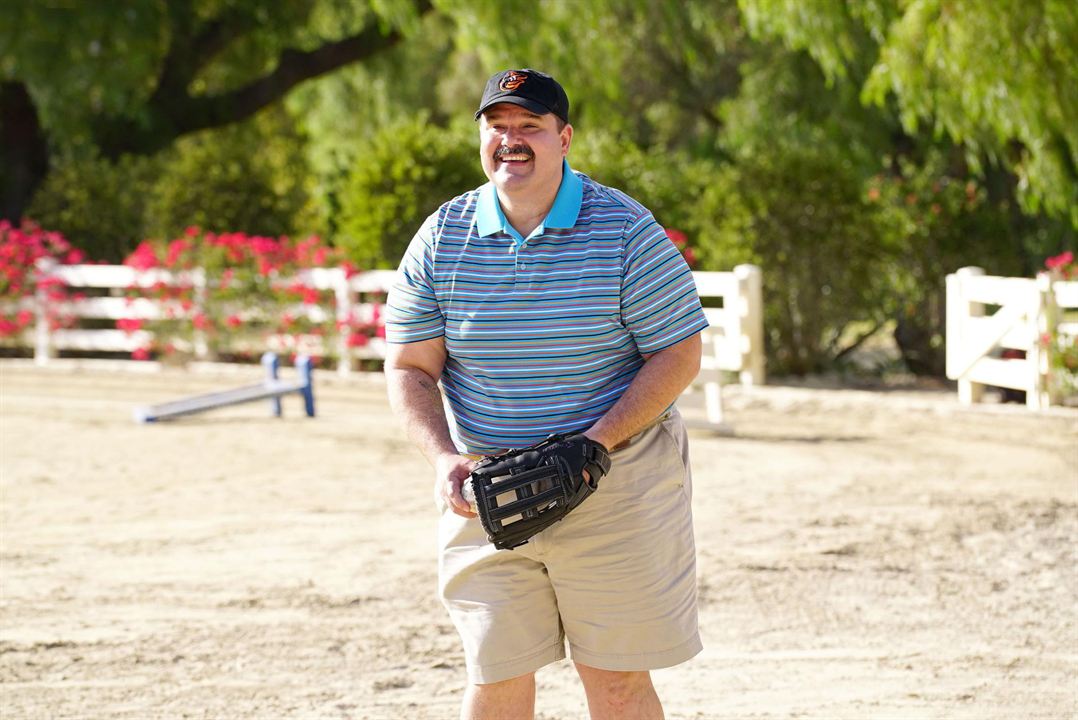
x: 733, y: 343
x: 1027, y: 310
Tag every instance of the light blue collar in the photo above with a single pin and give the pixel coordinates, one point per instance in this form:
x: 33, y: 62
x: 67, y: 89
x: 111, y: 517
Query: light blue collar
x: 490, y: 219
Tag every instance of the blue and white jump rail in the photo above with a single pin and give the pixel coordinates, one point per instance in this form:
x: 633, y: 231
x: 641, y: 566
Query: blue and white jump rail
x: 272, y: 389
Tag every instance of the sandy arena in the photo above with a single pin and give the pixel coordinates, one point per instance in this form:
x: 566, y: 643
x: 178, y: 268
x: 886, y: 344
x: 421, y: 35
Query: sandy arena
x: 861, y: 555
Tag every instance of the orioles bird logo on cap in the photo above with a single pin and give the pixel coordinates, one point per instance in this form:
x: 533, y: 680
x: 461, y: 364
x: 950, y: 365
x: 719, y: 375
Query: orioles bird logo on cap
x: 512, y: 80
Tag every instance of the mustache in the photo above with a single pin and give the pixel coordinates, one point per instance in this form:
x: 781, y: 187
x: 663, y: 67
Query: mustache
x: 514, y: 150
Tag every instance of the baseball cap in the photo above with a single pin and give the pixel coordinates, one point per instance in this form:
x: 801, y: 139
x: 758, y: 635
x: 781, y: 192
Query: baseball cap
x: 527, y: 88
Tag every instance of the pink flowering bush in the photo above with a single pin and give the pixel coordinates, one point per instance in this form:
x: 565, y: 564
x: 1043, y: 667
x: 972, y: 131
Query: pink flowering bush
x: 1062, y: 349
x: 20, y: 277
x: 681, y: 242
x: 1063, y: 266
x: 250, y: 292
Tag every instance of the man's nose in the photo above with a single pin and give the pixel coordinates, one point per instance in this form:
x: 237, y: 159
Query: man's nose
x: 509, y: 135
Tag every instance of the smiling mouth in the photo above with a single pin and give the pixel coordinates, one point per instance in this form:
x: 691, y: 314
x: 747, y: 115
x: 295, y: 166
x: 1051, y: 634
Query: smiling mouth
x: 513, y: 154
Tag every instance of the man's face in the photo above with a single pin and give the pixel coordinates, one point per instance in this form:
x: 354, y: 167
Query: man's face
x: 522, y: 151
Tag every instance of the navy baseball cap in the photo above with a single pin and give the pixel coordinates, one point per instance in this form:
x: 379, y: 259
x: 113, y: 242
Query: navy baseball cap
x: 527, y: 88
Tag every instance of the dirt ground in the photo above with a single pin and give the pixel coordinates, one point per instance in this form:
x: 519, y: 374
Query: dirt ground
x: 861, y: 555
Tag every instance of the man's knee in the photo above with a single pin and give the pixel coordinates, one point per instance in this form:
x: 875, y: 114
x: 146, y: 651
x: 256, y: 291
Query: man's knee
x: 616, y: 689
x: 507, y: 699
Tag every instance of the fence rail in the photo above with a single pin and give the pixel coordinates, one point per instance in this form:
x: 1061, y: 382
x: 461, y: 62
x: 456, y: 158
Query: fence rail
x: 733, y: 343
x: 979, y: 342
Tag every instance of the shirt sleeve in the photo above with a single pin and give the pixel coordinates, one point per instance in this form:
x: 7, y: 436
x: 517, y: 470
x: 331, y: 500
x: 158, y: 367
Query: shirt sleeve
x: 659, y: 302
x: 412, y: 310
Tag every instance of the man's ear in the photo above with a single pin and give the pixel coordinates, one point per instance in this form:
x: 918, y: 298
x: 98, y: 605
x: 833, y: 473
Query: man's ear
x: 566, y: 139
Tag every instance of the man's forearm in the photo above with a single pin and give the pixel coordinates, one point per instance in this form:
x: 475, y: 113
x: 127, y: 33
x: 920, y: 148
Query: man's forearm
x: 656, y: 386
x: 416, y: 400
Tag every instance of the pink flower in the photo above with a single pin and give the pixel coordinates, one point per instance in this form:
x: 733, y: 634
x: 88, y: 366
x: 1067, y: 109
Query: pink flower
x: 234, y: 321
x: 357, y: 340
x: 129, y: 325
x: 143, y: 257
x: 1059, y: 261
x: 141, y: 354
x: 200, y: 321
x: 7, y: 327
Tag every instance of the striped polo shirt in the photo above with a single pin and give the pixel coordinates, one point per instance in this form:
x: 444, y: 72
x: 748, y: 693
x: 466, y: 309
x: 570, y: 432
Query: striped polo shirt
x: 543, y: 334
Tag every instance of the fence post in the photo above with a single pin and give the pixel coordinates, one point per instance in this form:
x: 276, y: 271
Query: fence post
x: 1043, y: 392
x: 750, y: 313
x: 959, y: 309
x: 43, y: 347
x: 198, y: 284
x: 343, y: 317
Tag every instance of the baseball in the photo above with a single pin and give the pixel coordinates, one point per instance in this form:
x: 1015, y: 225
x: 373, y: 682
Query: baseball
x: 468, y: 493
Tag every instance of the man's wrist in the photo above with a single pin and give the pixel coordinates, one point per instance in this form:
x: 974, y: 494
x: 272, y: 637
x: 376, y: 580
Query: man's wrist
x: 597, y: 435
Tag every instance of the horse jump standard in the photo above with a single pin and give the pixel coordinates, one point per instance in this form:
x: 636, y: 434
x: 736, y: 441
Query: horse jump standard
x: 271, y: 388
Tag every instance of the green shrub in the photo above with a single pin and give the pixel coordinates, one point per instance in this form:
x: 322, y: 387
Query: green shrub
x: 247, y: 178
x: 800, y: 216
x: 938, y: 221
x: 399, y: 178
x: 668, y: 184
x: 99, y: 206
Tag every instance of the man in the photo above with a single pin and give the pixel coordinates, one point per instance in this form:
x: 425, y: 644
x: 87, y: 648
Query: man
x: 545, y: 302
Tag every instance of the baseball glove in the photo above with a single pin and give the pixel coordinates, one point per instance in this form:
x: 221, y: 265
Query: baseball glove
x: 521, y: 492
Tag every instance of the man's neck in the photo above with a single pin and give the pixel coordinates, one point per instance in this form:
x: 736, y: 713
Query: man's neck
x: 525, y: 213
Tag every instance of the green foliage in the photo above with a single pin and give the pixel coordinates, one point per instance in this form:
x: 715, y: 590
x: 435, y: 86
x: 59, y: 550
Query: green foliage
x: 800, y: 215
x: 999, y: 76
x: 70, y: 54
x: 654, y: 72
x: 399, y: 178
x: 785, y: 102
x: 99, y: 59
x: 98, y: 205
x: 666, y: 184
x: 938, y: 221
x: 250, y: 178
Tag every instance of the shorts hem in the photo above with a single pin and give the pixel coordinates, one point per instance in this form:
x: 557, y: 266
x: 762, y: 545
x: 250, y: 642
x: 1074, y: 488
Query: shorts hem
x: 496, y: 672
x: 639, y: 661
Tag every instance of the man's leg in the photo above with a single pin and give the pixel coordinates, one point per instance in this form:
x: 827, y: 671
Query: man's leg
x: 614, y: 695
x: 512, y: 699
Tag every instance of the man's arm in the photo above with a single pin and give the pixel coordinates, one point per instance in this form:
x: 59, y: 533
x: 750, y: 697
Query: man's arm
x: 412, y: 371
x: 658, y: 384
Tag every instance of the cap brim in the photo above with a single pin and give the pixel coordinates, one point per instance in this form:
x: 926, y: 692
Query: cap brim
x: 526, y: 103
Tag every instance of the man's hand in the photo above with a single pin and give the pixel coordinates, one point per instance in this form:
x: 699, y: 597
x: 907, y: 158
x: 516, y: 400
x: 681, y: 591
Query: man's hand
x: 450, y: 472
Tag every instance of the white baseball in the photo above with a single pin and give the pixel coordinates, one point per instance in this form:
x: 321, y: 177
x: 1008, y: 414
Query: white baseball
x: 468, y: 493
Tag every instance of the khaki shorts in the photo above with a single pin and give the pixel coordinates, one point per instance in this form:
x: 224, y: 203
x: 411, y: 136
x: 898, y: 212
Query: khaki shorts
x: 616, y: 577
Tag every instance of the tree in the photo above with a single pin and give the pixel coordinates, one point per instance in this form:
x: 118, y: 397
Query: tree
x: 998, y: 76
x: 131, y: 78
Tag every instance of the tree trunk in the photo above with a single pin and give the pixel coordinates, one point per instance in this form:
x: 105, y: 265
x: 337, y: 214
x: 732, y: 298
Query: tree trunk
x: 24, y: 153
